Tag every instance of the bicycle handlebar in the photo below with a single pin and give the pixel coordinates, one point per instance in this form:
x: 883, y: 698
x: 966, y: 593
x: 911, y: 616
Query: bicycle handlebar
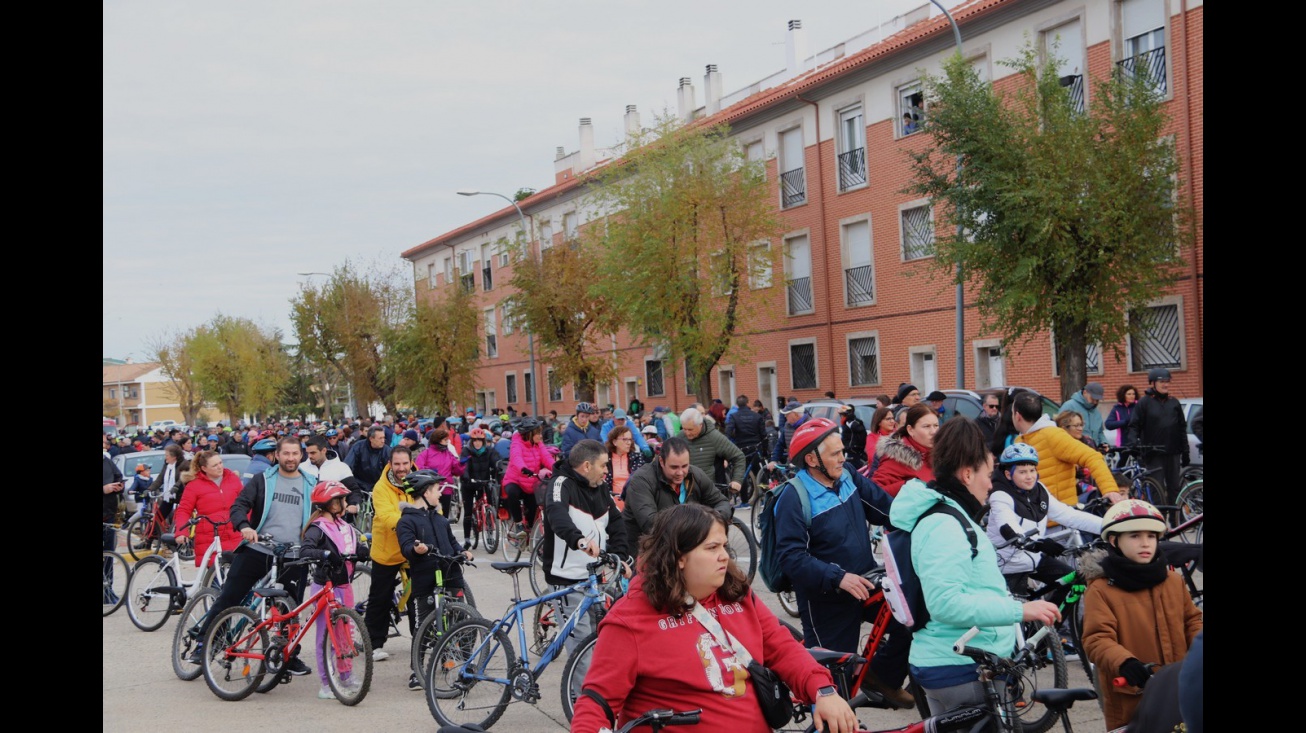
x: 989, y: 658
x: 1019, y: 540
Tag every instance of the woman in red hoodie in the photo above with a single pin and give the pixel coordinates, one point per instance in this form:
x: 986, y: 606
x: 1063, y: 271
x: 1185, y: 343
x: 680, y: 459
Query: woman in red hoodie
x: 210, y: 492
x: 905, y: 455
x: 675, y: 638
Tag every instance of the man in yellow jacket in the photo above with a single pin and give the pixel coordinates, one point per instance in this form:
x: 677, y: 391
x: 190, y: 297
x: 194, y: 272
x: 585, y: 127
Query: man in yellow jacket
x: 387, y: 497
x: 1058, y: 453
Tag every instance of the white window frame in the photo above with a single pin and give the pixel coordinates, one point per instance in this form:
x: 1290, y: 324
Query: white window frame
x: 1170, y: 300
x: 430, y: 275
x: 816, y: 362
x: 761, y: 271
x: 570, y: 225
x: 879, y: 357
x: 549, y: 386
x: 902, y: 230
x: 546, y: 235
x: 846, y: 255
x: 983, y: 345
x: 505, y: 319
x: 1047, y: 34
x: 508, y: 389
x: 782, y: 161
x: 902, y: 94
x: 754, y: 144
x: 491, y: 330
x: 663, y: 365
x: 917, y: 373
x: 529, y: 389
x: 844, y: 145
x: 806, y: 234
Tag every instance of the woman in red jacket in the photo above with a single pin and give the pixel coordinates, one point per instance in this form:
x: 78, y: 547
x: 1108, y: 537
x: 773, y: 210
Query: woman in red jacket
x: 659, y: 648
x: 905, y: 455
x: 527, y: 458
x: 210, y: 492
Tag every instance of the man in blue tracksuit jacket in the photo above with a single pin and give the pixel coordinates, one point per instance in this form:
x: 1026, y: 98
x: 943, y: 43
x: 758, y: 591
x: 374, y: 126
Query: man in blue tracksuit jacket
x: 826, y: 559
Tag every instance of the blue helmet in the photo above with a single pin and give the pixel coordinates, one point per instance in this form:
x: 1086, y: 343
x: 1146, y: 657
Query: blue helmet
x: 331, y: 432
x: 264, y: 445
x: 1018, y: 453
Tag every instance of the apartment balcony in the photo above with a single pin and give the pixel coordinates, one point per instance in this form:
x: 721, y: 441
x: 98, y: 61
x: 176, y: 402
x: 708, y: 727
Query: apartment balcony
x: 1149, y: 64
x: 793, y: 188
x: 852, y: 168
x: 800, y: 295
x: 860, y: 289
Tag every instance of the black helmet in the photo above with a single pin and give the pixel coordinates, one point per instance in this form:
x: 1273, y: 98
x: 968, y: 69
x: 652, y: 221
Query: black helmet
x: 528, y: 426
x: 1158, y: 373
x: 417, y: 482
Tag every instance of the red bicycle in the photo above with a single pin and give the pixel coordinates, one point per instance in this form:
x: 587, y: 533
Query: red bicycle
x: 241, y: 649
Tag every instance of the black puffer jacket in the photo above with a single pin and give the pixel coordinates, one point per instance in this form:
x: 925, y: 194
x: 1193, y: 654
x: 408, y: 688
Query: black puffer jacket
x: 746, y: 428
x: 1159, y: 421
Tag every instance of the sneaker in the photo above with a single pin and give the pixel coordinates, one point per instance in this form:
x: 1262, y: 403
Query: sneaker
x: 326, y: 694
x: 413, y: 682
x: 380, y: 655
x: 518, y: 532
x: 296, y: 667
x: 196, y: 655
x: 1068, y: 647
x: 141, y: 545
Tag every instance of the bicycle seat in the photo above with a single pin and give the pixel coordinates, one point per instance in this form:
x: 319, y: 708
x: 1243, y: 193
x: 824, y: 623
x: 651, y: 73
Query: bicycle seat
x: 830, y: 658
x: 271, y: 592
x: 511, y: 568
x: 1058, y: 699
x: 168, y: 538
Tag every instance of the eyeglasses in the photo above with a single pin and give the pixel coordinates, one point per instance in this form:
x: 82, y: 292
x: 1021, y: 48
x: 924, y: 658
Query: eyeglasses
x: 626, y: 440
x: 992, y: 406
x: 1075, y: 426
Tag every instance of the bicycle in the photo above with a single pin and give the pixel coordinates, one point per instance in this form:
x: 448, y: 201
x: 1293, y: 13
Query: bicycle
x: 366, y: 513
x: 477, y: 655
x: 514, y: 544
x: 485, y: 515
x: 447, y: 609
x: 361, y: 580
x: 241, y: 648
x: 154, y: 593
x: 145, y: 532
x: 117, y: 575
x: 1187, y: 506
x: 1138, y: 481
x: 656, y: 720
x: 741, y: 543
x: 455, y: 502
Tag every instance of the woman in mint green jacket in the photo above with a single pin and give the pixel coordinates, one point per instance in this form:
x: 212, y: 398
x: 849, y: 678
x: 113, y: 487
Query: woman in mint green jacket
x: 960, y: 591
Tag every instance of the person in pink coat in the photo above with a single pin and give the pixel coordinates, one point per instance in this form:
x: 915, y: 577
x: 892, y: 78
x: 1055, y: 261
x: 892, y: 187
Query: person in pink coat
x: 527, y: 459
x: 441, y: 458
x: 209, y: 491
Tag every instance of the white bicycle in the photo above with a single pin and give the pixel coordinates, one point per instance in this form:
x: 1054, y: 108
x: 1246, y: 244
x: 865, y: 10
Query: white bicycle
x: 155, y: 591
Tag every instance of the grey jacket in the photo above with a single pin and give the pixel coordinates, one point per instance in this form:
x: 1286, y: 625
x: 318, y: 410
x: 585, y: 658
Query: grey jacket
x: 648, y: 492
x: 711, y: 447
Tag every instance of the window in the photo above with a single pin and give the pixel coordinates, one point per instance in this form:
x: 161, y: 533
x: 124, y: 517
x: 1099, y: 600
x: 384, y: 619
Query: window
x: 689, y: 380
x: 555, y: 389
x: 754, y: 152
x: 911, y: 108
x: 487, y: 277
x: 859, y: 281
x: 430, y: 275
x: 863, y: 360
x: 448, y: 270
x: 798, y: 272
x: 852, y: 149
x: 506, y: 307
x: 759, y: 266
x: 465, y: 275
x: 570, y: 225
x: 113, y: 393
x: 793, y: 184
x: 917, y: 232
x: 720, y: 273
x: 511, y: 388
x: 1142, y: 25
x: 653, y: 378
x: 1092, y: 357
x: 1065, y: 45
x: 530, y: 387
x: 1156, y: 339
x: 491, y: 335
x: 546, y: 236
x: 802, y: 365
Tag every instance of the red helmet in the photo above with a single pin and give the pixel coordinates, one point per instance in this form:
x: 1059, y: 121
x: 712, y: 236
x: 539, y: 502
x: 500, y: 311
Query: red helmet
x: 475, y: 433
x: 808, y: 436
x: 325, y: 491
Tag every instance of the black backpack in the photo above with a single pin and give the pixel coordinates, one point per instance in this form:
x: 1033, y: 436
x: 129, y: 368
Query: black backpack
x: 901, y: 584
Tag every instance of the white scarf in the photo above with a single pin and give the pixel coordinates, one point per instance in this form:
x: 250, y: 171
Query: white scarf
x: 169, y: 479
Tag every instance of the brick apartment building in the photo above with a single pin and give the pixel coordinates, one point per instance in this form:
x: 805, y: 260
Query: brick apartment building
x: 855, y: 310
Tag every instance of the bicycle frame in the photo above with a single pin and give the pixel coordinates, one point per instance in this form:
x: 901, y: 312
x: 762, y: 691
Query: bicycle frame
x: 323, y: 602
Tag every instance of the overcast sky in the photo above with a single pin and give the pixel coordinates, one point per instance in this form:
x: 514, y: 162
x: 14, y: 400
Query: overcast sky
x: 247, y: 141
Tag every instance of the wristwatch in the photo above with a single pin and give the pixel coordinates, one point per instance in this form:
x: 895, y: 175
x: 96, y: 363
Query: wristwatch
x: 826, y: 691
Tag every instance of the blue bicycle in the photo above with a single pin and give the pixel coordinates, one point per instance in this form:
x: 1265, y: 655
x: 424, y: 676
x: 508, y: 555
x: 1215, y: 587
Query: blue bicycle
x: 474, y: 671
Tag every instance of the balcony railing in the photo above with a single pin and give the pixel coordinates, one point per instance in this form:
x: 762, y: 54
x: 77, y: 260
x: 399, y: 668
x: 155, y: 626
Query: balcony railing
x: 487, y: 281
x: 793, y: 188
x: 860, y: 288
x: 852, y: 168
x: 1076, y: 84
x: 1149, y: 64
x: 800, y: 295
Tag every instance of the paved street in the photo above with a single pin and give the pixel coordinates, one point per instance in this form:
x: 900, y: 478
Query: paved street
x: 138, y: 677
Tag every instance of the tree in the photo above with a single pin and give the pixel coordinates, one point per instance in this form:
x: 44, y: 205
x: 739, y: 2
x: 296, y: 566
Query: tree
x: 172, y: 352
x: 437, y: 356
x: 689, y: 212
x: 1069, y: 218
x: 239, y: 365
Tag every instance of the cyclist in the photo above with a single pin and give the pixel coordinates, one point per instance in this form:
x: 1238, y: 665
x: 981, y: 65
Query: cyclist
x: 709, y: 448
x: 794, y: 417
x: 329, y: 537
x: 388, y: 498
x: 580, y: 427
x: 527, y: 458
x: 669, y: 480
x: 367, y: 458
x: 262, y: 458
x: 620, y: 418
x: 478, y: 460
x: 1158, y: 422
x: 1137, y: 611
x: 1058, y: 452
x: 830, y: 553
x: 210, y: 492
x: 442, y: 458
x: 960, y: 590
x: 905, y: 454
x: 424, y: 531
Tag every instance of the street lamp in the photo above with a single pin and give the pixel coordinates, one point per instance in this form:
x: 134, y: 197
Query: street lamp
x: 348, y: 382
x: 530, y: 337
x: 961, y: 339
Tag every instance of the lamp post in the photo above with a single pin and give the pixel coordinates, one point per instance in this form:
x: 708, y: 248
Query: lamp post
x: 530, y: 337
x: 961, y: 339
x: 348, y: 382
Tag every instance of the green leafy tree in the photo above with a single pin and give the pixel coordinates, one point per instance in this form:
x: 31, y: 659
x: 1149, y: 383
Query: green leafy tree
x: 1069, y: 218
x: 172, y: 352
x: 239, y: 365
x: 437, y: 356
x: 296, y: 395
x: 689, y: 210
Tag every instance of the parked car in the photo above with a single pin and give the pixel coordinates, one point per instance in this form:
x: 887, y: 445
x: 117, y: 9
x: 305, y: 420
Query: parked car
x: 970, y: 402
x: 1190, y: 406
x: 164, y: 425
x: 127, y: 462
x: 863, y: 407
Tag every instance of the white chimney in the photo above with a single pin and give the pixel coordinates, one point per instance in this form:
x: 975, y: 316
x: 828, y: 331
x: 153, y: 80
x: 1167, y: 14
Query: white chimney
x: 712, y: 89
x: 587, y: 160
x: 560, y: 153
x: 632, y: 122
x: 686, y: 98
x: 795, y: 48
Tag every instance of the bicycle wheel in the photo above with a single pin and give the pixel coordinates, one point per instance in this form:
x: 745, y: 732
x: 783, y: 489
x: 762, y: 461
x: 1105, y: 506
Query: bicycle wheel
x: 1189, y: 503
x: 466, y: 677
x: 148, y: 601
x: 1149, y: 490
x: 512, y: 543
x: 138, y: 547
x: 544, y: 627
x: 755, y: 513
x: 1075, y: 622
x: 538, y: 585
x: 1048, y: 671
x: 278, y: 636
x: 918, y: 692
x: 742, y: 546
x: 434, y: 627
x: 361, y: 580
x: 347, y: 656
x: 573, y: 675
x: 789, y: 602
x: 117, y: 574
x: 490, y: 528
x: 455, y: 510
x: 186, y: 635
x: 234, y: 654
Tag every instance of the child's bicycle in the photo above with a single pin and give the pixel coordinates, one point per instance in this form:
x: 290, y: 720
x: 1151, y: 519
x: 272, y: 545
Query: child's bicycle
x: 474, y: 672
x: 145, y: 532
x: 241, y: 648
x: 485, y: 514
x: 447, y: 609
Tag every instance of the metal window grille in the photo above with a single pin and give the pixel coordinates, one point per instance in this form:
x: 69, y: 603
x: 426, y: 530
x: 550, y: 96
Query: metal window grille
x: 860, y: 288
x: 852, y: 168
x: 1076, y: 84
x: 802, y: 361
x: 530, y: 387
x: 793, y: 186
x: 653, y: 378
x: 1157, y: 341
x: 863, y: 361
x: 1148, y: 64
x: 800, y: 295
x: 917, y: 233
x: 1092, y: 358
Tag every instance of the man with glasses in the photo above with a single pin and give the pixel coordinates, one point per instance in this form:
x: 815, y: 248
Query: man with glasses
x: 988, y: 420
x: 1158, y: 424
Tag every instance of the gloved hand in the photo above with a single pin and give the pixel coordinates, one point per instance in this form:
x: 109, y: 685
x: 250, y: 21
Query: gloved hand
x: 1047, y: 547
x: 1135, y: 672
x: 1007, y: 532
x: 527, y: 472
x: 362, y: 553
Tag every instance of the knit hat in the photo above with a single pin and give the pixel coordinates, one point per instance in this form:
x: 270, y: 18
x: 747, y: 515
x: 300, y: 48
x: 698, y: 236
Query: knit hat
x: 412, y: 435
x: 903, y: 391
